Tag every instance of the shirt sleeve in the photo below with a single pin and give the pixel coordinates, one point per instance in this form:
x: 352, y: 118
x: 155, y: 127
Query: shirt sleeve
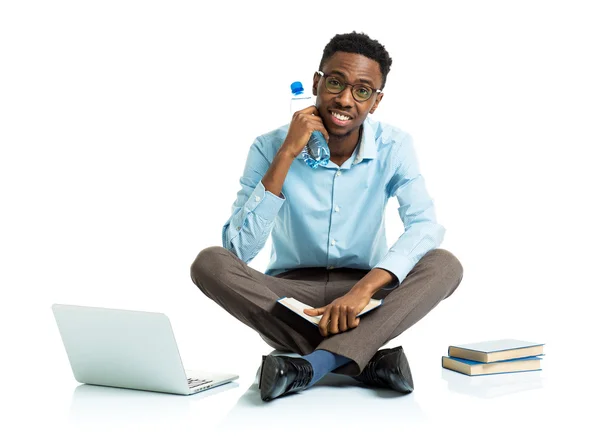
x: 422, y: 233
x: 254, y: 211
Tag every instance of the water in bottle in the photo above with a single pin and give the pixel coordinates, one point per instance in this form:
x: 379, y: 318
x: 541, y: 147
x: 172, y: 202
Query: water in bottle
x: 316, y: 153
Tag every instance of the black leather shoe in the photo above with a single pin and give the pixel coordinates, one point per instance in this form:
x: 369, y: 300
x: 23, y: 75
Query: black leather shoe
x: 388, y: 368
x: 280, y: 375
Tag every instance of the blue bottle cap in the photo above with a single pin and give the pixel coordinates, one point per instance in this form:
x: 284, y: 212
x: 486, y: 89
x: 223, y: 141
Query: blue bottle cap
x: 297, y: 87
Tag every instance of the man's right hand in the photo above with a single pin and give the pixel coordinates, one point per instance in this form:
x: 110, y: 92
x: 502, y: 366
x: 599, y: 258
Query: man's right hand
x: 303, y: 123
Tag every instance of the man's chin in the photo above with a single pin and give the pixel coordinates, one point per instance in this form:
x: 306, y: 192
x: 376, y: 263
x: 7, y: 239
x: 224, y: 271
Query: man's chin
x: 340, y: 132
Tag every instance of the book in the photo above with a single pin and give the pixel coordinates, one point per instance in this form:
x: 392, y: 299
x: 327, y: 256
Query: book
x: 493, y: 351
x: 298, y: 308
x: 475, y: 368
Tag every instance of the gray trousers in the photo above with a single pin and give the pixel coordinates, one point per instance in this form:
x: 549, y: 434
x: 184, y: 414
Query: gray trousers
x: 250, y: 296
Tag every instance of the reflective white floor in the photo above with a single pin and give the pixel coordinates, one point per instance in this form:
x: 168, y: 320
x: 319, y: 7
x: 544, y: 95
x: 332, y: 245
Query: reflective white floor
x: 445, y: 404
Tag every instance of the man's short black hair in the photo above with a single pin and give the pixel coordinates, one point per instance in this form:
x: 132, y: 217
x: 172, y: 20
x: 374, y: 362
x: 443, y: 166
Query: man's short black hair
x: 359, y: 43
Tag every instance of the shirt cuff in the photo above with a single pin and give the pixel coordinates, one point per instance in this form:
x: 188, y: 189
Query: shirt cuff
x: 397, y: 265
x: 264, y: 203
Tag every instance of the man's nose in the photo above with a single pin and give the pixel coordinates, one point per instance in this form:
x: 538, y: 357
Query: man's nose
x: 345, y: 97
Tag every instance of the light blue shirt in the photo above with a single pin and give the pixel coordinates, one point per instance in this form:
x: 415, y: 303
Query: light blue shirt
x: 334, y: 216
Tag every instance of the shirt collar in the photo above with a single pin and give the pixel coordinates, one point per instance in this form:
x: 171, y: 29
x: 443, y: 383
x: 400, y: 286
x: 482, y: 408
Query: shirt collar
x: 367, y: 149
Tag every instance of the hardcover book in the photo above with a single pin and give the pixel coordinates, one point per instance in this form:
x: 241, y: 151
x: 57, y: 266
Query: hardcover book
x: 493, y: 351
x: 298, y: 308
x: 474, y: 368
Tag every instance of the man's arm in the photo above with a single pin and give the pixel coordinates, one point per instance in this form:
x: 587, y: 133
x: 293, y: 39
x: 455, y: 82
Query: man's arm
x: 303, y: 123
x: 255, y: 208
x: 260, y: 199
x: 422, y: 232
x: 275, y: 176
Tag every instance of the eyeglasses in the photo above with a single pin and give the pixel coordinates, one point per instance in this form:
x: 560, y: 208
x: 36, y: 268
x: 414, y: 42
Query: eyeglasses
x: 335, y: 85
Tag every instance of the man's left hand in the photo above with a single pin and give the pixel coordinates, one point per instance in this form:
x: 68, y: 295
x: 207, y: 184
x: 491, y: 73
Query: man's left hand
x: 340, y: 315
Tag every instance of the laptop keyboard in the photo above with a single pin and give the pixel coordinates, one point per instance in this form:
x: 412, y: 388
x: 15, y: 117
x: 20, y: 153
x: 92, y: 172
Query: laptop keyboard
x: 193, y: 382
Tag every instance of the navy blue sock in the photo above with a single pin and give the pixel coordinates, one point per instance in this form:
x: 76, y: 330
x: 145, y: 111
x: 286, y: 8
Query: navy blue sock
x: 324, y: 362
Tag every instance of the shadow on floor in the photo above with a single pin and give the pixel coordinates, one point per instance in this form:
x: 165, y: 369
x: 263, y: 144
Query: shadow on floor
x: 336, y: 400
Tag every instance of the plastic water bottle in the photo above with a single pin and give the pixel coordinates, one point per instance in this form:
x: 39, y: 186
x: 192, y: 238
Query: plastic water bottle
x: 316, y: 153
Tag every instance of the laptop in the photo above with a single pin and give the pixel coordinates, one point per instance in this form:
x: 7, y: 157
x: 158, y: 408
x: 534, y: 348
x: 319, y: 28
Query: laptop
x: 128, y: 349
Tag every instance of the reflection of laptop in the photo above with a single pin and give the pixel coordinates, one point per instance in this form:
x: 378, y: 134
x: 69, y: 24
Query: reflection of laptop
x: 128, y: 349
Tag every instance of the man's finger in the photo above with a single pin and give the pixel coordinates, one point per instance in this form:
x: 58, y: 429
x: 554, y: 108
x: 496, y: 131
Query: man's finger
x: 324, y: 322
x: 314, y: 311
x: 310, y: 110
x: 354, y: 323
x: 344, y: 318
x: 335, y: 320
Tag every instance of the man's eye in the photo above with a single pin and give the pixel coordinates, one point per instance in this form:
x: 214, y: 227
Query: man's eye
x: 334, y: 82
x: 363, y: 92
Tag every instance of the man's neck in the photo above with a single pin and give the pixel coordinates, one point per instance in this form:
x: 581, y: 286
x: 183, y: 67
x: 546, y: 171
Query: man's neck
x: 343, y: 147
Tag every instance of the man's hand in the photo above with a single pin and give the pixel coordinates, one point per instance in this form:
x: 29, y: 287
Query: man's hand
x: 340, y: 315
x: 304, y: 123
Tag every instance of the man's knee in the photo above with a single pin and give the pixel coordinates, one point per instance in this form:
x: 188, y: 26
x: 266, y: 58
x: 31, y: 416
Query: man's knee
x: 446, y: 260
x: 208, y: 264
x: 447, y: 266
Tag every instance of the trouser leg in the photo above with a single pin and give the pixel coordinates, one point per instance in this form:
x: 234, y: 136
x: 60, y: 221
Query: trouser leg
x: 250, y: 296
x: 434, y: 278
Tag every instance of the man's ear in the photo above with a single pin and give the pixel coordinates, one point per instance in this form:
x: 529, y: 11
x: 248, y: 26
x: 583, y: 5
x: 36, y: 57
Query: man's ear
x: 377, y: 100
x: 316, y: 79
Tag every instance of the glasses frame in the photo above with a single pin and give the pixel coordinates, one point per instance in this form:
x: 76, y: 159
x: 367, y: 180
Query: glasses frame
x: 326, y: 76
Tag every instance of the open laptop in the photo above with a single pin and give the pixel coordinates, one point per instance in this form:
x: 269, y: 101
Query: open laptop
x: 128, y: 349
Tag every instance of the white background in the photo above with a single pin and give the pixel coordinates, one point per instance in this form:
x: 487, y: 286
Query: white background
x: 124, y: 129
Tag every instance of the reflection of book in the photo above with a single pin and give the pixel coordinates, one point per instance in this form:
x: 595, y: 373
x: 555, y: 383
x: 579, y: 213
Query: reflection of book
x: 492, y: 351
x: 474, y: 368
x: 298, y: 308
x: 493, y: 386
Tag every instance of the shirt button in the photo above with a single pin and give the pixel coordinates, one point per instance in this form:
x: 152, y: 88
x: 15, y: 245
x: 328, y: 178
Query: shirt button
x: 339, y: 172
x: 238, y: 228
x: 337, y: 208
x: 333, y: 242
x: 257, y: 198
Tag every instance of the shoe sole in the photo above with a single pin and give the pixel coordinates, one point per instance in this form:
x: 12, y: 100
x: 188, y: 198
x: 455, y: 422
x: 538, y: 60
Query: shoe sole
x: 268, y: 378
x: 404, y: 386
x: 260, y: 371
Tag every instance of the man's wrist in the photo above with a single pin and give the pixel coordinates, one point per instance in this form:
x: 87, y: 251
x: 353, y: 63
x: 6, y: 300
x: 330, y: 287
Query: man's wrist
x: 375, y: 280
x: 366, y: 289
x: 287, y: 152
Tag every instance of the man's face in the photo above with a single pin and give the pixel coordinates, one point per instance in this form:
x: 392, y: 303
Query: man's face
x: 353, y: 69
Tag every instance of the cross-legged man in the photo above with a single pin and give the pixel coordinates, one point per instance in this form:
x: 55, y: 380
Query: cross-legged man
x: 329, y: 245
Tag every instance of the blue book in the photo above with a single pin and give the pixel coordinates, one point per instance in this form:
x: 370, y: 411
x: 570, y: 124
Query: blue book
x: 474, y: 368
x: 493, y: 351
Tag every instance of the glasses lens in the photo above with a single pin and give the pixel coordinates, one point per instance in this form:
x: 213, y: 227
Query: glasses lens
x: 361, y: 93
x: 334, y: 84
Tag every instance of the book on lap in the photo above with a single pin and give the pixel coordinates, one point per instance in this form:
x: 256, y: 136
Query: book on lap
x: 298, y: 308
x: 475, y: 368
x: 494, y: 351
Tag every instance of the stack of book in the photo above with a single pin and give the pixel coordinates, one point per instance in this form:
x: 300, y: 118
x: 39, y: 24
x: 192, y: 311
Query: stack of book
x: 494, y: 357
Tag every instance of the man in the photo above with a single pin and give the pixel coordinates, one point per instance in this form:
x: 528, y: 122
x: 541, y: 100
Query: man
x: 327, y: 225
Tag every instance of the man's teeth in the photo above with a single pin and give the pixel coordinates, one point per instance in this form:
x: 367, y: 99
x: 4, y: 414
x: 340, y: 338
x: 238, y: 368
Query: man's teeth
x: 340, y: 117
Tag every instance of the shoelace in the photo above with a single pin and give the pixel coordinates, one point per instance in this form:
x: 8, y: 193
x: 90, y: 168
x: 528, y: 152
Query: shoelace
x: 305, y: 373
x: 369, y: 375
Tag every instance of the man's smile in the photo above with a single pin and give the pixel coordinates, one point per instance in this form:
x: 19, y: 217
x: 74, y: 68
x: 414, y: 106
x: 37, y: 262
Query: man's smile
x: 339, y: 118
